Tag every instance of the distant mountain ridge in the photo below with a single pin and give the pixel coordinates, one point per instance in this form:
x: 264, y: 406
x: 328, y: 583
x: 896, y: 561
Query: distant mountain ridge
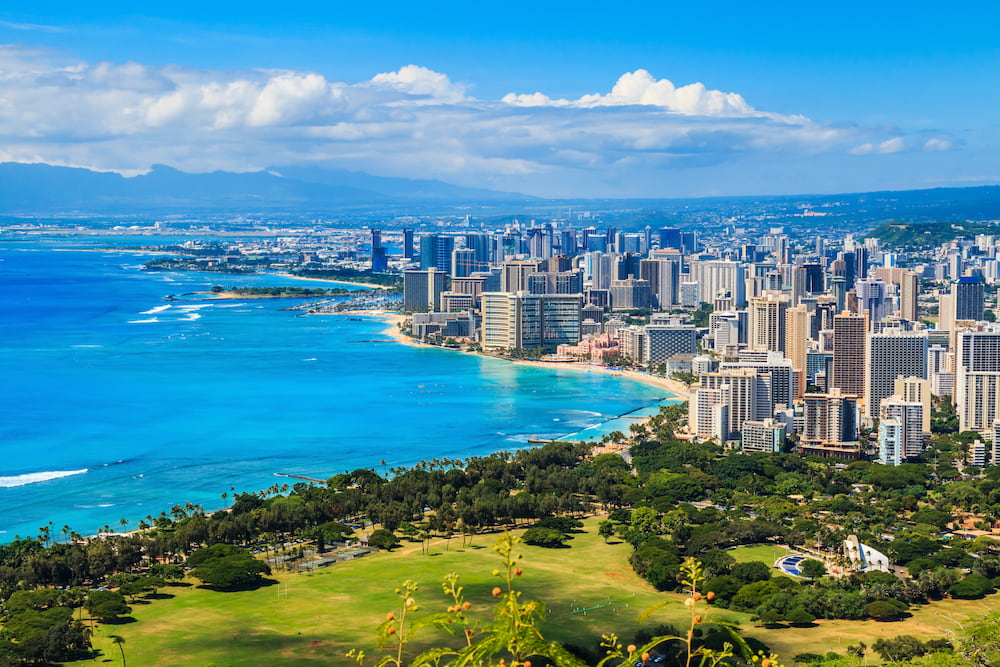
x: 35, y: 188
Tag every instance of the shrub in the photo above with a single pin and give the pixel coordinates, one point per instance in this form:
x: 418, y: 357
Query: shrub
x: 544, y: 537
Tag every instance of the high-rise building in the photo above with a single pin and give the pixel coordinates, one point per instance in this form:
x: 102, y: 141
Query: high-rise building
x: 909, y: 293
x: 555, y: 282
x: 422, y: 289
x: 708, y: 413
x: 849, y: 331
x: 796, y: 342
x: 888, y: 355
x: 716, y: 276
x: 916, y: 390
x: 480, y: 243
x: 901, y: 434
x: 514, y: 273
x: 763, y: 436
x: 670, y: 237
x: 407, y: 244
x: 749, y: 396
x: 568, y: 244
x: 663, y: 341
x: 767, y: 322
x: 525, y: 321
x: 664, y: 277
x: 380, y: 261
x: 830, y: 423
x: 626, y: 266
x: 977, y: 379
x: 631, y: 294
x: 814, y: 278
x: 435, y: 251
x: 464, y: 263
x: 969, y: 298
x: 872, y: 299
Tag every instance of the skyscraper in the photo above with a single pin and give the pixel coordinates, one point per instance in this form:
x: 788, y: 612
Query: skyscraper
x: 380, y: 261
x: 749, y: 395
x: 830, y: 422
x: 407, y: 244
x: 422, y: 289
x: 796, y: 341
x: 716, y: 276
x: 969, y: 298
x: 909, y: 291
x: 435, y: 251
x: 888, y: 355
x: 767, y: 323
x: 524, y: 321
x: 872, y: 299
x: 977, y: 381
x: 849, y: 331
x: 900, y: 435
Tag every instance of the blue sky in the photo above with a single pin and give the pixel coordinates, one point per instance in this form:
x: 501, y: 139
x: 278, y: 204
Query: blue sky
x: 792, y: 97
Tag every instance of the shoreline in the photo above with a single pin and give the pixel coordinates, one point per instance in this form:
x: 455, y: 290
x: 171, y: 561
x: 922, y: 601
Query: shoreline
x: 678, y: 390
x: 126, y: 251
x: 291, y: 276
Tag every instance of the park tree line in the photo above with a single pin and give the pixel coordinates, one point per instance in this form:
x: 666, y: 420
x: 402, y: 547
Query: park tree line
x: 674, y: 499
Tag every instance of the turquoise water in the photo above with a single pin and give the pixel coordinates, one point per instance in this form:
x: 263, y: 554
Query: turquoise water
x: 117, y: 404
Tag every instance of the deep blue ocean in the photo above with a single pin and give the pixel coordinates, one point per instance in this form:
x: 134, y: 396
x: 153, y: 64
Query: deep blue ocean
x: 117, y: 404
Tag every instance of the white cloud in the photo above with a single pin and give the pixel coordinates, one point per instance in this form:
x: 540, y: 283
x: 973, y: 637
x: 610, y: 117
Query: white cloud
x: 412, y: 122
x: 893, y: 145
x: 640, y: 88
x: 937, y: 144
x: 416, y: 80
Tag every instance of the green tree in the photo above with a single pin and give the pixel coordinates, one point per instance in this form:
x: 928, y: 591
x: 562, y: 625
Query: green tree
x: 885, y: 610
x: 897, y: 649
x: 972, y: 586
x: 606, y: 529
x: 227, y: 568
x: 107, y: 606
x: 119, y: 641
x: 544, y: 537
x: 812, y: 569
x: 383, y: 539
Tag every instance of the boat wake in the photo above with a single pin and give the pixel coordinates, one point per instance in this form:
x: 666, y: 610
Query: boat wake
x: 34, y: 477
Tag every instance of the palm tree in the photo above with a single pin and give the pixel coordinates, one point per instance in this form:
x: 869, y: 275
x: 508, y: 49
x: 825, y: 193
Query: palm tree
x: 118, y: 639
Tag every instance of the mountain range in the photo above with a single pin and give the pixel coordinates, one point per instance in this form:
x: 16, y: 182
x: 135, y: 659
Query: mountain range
x: 36, y: 188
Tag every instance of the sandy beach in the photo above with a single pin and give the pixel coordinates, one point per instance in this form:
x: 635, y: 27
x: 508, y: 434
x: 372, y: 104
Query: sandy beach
x: 679, y: 389
x: 328, y: 280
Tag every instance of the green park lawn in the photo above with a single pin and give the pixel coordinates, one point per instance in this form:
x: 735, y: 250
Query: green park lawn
x: 316, y: 618
x: 307, y: 619
x: 766, y: 553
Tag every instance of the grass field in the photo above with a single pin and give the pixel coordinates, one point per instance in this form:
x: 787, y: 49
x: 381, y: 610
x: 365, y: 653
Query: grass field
x: 766, y: 553
x: 308, y: 619
x: 315, y: 618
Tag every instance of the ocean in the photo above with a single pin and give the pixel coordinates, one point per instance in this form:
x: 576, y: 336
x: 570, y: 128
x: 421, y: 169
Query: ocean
x: 118, y: 405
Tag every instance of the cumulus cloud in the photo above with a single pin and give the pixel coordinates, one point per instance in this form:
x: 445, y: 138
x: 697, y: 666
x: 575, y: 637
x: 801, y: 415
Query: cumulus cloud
x: 640, y: 88
x: 411, y: 122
